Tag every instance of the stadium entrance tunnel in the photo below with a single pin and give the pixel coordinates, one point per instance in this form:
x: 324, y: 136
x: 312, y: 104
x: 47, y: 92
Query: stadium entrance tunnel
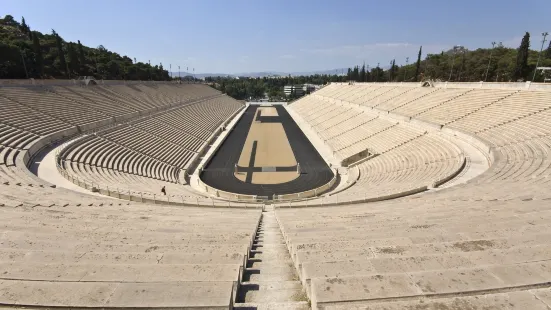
x: 266, y: 154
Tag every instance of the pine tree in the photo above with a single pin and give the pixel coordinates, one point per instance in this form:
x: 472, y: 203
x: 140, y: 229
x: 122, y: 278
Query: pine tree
x: 81, y: 58
x: 548, y: 52
x: 521, y: 69
x: 392, y: 70
x: 362, y: 73
x: 25, y: 28
x: 39, y: 59
x: 418, y: 65
x: 356, y: 73
x: 61, y: 54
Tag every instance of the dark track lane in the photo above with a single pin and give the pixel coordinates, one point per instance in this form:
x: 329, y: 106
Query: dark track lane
x: 218, y: 172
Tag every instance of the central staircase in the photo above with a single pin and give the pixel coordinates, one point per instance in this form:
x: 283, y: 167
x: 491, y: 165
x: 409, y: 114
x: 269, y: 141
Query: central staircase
x: 270, y: 280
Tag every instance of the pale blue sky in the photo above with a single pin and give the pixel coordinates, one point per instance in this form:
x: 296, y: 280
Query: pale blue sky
x: 233, y: 36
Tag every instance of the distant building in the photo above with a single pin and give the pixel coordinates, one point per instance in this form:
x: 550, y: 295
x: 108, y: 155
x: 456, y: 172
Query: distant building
x: 293, y: 89
x: 300, y: 89
x: 308, y: 88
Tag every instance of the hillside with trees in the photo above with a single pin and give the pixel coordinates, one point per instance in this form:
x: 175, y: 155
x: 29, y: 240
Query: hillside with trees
x: 25, y: 53
x: 497, y: 64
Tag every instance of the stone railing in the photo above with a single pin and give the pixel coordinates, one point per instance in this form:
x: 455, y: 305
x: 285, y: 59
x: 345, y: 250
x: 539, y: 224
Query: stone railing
x: 310, y: 193
x: 150, y: 198
x: 220, y: 194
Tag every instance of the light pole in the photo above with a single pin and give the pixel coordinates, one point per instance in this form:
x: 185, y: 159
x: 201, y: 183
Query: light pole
x: 488, y: 68
x: 179, y: 78
x: 545, y: 34
x: 500, y: 44
x: 455, y: 48
x: 406, y: 68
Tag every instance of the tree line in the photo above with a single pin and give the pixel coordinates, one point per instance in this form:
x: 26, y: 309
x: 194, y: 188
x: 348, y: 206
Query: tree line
x: 25, y: 53
x: 245, y: 88
x: 496, y: 64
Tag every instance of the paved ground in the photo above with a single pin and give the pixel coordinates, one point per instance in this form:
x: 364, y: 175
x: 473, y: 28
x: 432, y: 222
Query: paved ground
x: 219, y: 172
x: 44, y: 166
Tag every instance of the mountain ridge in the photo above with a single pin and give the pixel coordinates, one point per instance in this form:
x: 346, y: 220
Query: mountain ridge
x: 261, y: 74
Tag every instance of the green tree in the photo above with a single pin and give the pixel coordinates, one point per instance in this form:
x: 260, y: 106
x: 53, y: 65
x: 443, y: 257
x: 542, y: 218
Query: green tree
x: 462, y: 67
x: 8, y: 20
x: 392, y: 70
x: 17, y: 44
x: 377, y: 73
x: 81, y: 59
x: 548, y: 51
x: 521, y: 68
x: 74, y: 63
x: 356, y: 73
x: 11, y: 64
x: 418, y: 65
x: 60, y: 53
x: 39, y: 58
x: 25, y: 28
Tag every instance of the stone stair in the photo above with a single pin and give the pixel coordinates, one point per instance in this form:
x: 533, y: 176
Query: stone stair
x: 270, y: 280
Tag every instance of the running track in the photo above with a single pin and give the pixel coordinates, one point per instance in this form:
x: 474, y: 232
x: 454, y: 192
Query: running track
x: 218, y: 172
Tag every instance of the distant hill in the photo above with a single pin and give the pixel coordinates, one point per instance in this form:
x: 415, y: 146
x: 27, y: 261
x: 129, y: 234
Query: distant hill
x: 339, y: 71
x: 25, y: 53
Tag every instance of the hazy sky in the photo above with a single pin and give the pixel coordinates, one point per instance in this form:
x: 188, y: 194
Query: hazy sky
x: 233, y: 36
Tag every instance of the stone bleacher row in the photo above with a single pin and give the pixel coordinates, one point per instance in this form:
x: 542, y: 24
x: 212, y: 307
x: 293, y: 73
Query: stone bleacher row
x: 515, y: 123
x: 61, y: 248
x: 32, y: 113
x: 483, y: 244
x: 156, y: 147
x: 104, y: 254
x: 411, y: 249
x: 423, y: 161
x: 408, y: 158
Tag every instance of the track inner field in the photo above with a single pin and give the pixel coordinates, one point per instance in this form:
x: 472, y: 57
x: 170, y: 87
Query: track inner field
x: 266, y: 152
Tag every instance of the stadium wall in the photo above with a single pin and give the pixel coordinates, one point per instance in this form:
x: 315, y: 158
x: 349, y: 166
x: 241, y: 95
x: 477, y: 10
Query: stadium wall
x: 54, y: 82
x: 488, y: 85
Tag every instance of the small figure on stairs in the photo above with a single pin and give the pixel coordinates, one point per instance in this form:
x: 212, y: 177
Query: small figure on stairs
x: 163, y: 190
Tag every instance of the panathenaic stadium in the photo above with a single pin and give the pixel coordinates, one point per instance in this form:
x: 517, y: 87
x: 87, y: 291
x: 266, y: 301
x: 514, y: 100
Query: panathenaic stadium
x: 358, y: 196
